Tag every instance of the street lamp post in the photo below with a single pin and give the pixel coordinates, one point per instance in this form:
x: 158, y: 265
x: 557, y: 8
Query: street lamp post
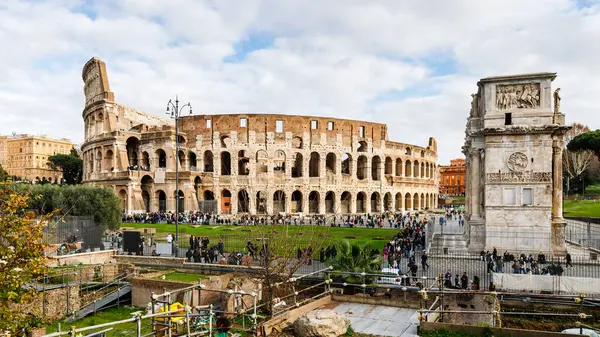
x: 175, y: 111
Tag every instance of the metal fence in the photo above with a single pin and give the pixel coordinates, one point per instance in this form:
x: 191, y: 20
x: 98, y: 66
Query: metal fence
x: 583, y: 234
x: 72, y: 234
x: 90, y: 282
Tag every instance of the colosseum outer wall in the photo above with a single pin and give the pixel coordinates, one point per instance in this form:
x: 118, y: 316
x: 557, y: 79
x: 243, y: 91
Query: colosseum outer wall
x: 250, y: 163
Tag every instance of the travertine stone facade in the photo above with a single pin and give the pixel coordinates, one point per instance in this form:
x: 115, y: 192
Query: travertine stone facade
x: 513, y: 146
x: 250, y: 163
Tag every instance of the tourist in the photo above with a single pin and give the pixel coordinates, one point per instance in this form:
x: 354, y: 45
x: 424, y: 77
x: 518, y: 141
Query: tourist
x: 464, y: 280
x: 568, y: 261
x: 424, y: 264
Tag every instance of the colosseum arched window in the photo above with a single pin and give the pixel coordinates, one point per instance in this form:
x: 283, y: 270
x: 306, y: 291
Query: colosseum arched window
x: 407, y: 168
x: 330, y: 163
x: 261, y: 202
x: 313, y: 202
x: 375, y: 202
x: 192, y: 159
x: 387, y: 202
x: 133, y: 147
x: 262, y: 161
x: 181, y: 158
x: 398, y: 167
x: 416, y: 169
x: 408, y: 151
x: 376, y: 168
x: 279, y: 202
x: 225, y: 163
x: 407, y: 201
x: 145, y: 161
x: 330, y: 202
x: 298, y: 165
x: 388, y: 165
x: 208, y: 161
x: 297, y: 206
x: 243, y: 163
x: 346, y: 163
x: 346, y: 202
x: 243, y: 201
x: 161, y: 158
x: 361, y: 202
x: 398, y: 203
x: 361, y: 168
x: 161, y: 196
x: 279, y: 162
x: 314, y: 165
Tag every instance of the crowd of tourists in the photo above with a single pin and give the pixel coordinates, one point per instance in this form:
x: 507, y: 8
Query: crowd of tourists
x: 524, y: 264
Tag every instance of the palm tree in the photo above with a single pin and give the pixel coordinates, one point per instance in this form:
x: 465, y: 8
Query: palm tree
x: 357, y: 258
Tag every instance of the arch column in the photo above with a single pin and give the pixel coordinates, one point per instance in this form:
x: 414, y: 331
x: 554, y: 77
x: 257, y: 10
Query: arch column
x: 322, y: 196
x: 170, y: 201
x: 252, y: 201
x: 234, y: 199
x: 234, y: 164
x: 288, y: 201
x: 305, y: 202
x: 270, y: 201
x: 367, y: 202
x: 352, y: 203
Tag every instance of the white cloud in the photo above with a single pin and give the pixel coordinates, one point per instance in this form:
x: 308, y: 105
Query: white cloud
x: 327, y: 58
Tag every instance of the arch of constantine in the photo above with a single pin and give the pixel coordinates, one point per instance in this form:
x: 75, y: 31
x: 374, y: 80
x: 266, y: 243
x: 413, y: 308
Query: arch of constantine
x: 250, y: 163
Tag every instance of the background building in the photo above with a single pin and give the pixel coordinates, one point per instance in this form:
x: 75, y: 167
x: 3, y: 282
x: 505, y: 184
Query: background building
x: 250, y: 163
x: 26, y: 156
x: 452, y: 178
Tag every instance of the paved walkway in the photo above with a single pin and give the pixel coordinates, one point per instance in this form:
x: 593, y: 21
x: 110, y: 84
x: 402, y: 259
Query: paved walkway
x: 379, y: 320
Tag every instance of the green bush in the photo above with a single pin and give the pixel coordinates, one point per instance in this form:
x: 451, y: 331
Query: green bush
x: 101, y: 203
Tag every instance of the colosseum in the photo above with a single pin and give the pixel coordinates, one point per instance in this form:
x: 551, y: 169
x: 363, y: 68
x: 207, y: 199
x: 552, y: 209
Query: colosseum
x: 250, y: 163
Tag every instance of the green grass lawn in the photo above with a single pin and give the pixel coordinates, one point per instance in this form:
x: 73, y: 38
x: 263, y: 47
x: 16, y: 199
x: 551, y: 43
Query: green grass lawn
x: 182, y: 277
x: 109, y: 315
x: 583, y: 208
x: 237, y: 236
x: 592, y: 190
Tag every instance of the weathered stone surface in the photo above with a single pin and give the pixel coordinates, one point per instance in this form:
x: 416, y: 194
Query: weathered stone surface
x: 250, y: 163
x: 321, y: 323
x: 513, y: 148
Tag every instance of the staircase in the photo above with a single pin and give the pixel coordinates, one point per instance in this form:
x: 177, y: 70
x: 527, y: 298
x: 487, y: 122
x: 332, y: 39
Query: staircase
x: 455, y: 243
x: 101, y: 303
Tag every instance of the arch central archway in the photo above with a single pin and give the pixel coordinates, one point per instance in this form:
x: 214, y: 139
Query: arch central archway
x: 346, y: 202
x: 161, y: 196
x: 313, y: 202
x: 297, y: 202
x: 226, y: 202
x: 360, y: 202
x: 279, y: 202
x: 330, y: 202
x: 243, y: 201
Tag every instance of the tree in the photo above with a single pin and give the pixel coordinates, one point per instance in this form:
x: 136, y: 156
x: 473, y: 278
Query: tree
x: 589, y: 141
x: 21, y: 259
x: 281, y: 255
x: 101, y: 203
x: 575, y: 162
x: 3, y: 174
x: 70, y: 164
x: 357, y: 258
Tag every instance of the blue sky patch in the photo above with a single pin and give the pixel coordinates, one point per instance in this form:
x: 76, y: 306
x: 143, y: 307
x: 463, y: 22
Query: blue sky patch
x: 251, y: 43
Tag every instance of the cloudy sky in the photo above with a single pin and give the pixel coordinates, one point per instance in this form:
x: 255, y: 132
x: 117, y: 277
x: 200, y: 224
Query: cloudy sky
x: 410, y: 64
